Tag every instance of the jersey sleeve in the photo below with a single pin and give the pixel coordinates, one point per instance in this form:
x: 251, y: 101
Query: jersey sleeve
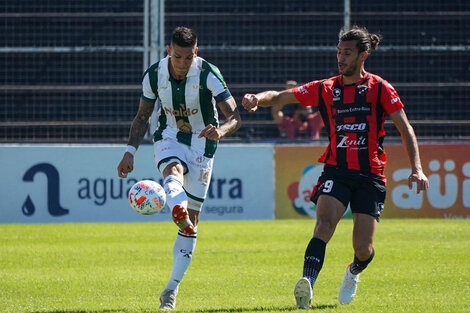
x: 307, y: 94
x: 390, y: 99
x: 147, y: 92
x: 217, y: 86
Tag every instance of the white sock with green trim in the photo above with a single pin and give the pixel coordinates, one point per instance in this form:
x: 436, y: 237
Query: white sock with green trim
x: 175, y: 193
x: 182, y: 254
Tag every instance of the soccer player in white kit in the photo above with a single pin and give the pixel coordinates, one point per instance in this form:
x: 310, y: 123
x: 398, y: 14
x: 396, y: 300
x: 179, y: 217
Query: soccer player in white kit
x: 188, y: 89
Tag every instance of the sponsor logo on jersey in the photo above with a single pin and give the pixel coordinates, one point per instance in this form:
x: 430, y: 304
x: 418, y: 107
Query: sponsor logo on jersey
x: 184, y: 126
x: 394, y: 100
x: 353, y: 109
x: 361, y: 89
x: 336, y: 94
x: 302, y: 90
x: 356, y: 127
x: 182, y: 111
x: 345, y: 142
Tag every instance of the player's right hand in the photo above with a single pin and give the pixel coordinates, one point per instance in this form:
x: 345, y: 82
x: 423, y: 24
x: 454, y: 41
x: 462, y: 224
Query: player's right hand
x: 250, y: 102
x: 126, y: 165
x: 422, y: 182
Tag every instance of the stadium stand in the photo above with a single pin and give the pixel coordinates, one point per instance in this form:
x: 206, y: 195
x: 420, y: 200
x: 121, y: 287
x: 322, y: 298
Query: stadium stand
x: 72, y: 69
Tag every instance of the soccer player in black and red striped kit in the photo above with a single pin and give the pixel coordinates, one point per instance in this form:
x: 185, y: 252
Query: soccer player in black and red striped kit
x: 353, y: 106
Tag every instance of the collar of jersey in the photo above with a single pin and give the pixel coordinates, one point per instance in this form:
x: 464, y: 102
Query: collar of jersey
x: 366, y: 74
x: 193, y: 70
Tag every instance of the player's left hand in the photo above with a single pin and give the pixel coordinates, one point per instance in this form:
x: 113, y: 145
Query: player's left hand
x: 210, y: 132
x: 420, y: 179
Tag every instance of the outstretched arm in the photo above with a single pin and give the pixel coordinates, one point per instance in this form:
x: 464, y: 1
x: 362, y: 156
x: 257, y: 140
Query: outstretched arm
x: 411, y: 146
x: 267, y: 99
x: 138, y: 129
x: 231, y: 124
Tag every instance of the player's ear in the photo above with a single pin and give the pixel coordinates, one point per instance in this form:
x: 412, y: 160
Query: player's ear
x: 364, y: 55
x: 168, y: 49
x: 196, y: 49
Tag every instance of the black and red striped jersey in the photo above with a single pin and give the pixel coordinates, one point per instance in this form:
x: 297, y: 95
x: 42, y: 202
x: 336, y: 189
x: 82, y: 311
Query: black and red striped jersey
x: 354, y: 117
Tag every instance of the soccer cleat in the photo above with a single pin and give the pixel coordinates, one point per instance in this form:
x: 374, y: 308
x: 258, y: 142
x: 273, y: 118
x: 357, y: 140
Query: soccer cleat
x: 348, y: 288
x: 168, y: 299
x: 181, y: 218
x: 303, y: 293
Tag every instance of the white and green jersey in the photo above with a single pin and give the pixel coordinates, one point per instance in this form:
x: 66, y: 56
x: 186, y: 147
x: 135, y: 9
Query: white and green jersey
x: 187, y: 106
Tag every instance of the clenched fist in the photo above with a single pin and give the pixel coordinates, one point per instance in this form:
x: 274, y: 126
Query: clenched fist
x: 250, y: 102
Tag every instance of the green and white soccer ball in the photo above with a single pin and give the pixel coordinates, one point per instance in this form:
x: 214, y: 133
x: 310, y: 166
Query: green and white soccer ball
x: 147, y: 197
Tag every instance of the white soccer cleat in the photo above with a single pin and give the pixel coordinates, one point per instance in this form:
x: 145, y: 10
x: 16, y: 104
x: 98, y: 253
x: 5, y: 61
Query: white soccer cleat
x: 168, y: 299
x: 303, y: 293
x: 348, y: 288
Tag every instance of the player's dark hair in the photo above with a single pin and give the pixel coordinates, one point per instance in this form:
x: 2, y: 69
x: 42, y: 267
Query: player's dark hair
x: 365, y: 41
x: 184, y: 37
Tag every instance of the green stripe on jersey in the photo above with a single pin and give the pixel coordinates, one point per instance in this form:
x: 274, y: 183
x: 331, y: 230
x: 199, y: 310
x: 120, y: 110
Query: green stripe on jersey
x: 153, y: 77
x: 178, y: 90
x: 157, y: 135
x: 207, y: 109
x: 153, y: 80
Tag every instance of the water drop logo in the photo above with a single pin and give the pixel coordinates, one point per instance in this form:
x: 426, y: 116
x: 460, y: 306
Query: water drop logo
x: 53, y: 190
x: 28, y: 207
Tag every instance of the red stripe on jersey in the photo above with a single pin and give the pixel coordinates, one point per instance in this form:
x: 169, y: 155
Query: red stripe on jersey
x: 354, y: 117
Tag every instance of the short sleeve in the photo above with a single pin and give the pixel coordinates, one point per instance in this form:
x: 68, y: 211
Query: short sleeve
x: 218, y: 87
x: 147, y: 92
x: 307, y: 94
x: 390, y: 99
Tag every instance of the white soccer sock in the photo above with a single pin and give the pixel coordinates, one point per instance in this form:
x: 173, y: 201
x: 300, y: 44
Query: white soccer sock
x: 175, y: 193
x: 182, y: 255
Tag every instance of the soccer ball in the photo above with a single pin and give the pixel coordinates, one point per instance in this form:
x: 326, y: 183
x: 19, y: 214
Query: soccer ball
x: 147, y: 197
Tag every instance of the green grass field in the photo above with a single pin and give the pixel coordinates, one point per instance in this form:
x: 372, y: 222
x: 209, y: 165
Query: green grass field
x: 252, y: 266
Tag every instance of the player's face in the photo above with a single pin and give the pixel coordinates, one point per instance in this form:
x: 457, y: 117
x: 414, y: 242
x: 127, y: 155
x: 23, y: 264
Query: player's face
x: 349, y: 59
x: 181, y: 59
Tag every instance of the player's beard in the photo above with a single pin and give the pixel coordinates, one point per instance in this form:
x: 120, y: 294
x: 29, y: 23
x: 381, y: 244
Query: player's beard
x: 350, y: 69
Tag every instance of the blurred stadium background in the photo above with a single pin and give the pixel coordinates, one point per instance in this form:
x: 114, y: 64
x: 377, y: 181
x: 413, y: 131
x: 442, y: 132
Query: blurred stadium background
x: 71, y: 69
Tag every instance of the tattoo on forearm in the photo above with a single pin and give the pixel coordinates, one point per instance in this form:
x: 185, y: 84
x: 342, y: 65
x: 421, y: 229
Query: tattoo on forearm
x: 137, y: 132
x: 232, y: 116
x: 140, y: 124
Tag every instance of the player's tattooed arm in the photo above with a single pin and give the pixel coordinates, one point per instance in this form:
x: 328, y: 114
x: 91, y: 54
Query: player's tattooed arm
x: 140, y: 123
x: 231, y: 124
x: 232, y: 117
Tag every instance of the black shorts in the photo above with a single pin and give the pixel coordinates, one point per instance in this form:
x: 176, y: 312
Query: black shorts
x: 365, y: 193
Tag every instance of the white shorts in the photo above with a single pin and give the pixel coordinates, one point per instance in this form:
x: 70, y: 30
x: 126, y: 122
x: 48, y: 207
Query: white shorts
x: 197, y: 168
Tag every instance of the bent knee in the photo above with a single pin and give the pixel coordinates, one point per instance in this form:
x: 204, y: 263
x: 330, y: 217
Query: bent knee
x: 363, y: 251
x: 324, y: 229
x: 173, y: 168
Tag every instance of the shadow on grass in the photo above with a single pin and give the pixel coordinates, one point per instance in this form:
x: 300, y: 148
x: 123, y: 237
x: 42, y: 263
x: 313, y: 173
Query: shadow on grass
x: 262, y: 309
x: 87, y: 311
x: 255, y: 309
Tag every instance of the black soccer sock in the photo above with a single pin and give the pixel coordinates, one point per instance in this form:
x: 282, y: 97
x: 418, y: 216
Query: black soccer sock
x: 313, y: 260
x: 358, y: 266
